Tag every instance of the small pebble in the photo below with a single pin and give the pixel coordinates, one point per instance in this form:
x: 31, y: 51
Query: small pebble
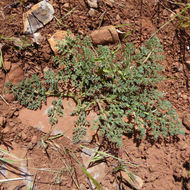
x: 11, y: 124
x: 184, y: 96
x: 66, y: 5
x: 34, y: 140
x: 24, y: 136
x: 1, y: 121
x: 37, y: 37
x: 30, y: 146
x: 91, y: 12
x: 16, y: 113
x: 118, y: 17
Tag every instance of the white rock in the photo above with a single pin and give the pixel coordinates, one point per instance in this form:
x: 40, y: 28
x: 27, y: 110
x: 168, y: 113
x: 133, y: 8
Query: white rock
x: 97, y: 171
x: 38, y: 16
x: 37, y: 38
x: 91, y: 12
x: 132, y: 179
x: 93, y: 3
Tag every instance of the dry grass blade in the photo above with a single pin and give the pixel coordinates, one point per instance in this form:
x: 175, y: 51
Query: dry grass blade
x: 70, y: 12
x: 105, y: 154
x: 12, y: 179
x: 4, y: 99
x: 8, y: 154
x: 102, y: 19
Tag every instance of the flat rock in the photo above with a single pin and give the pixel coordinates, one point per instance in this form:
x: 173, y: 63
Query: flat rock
x: 40, y: 120
x: 186, y: 121
x: 134, y: 181
x: 57, y: 37
x: 97, y: 171
x: 14, y: 76
x: 38, y: 16
x: 17, y: 169
x: 105, y: 35
x: 37, y: 37
x: 87, y: 155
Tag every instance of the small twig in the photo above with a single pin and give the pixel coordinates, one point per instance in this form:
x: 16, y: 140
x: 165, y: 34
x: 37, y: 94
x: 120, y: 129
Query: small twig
x: 147, y: 57
x: 12, y: 179
x: 101, y: 109
x: 102, y: 15
x: 70, y: 12
x: 179, y: 14
x: 4, y: 100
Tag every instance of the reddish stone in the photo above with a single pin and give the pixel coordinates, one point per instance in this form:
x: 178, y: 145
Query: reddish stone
x: 57, y: 37
x: 15, y: 76
x: 105, y: 35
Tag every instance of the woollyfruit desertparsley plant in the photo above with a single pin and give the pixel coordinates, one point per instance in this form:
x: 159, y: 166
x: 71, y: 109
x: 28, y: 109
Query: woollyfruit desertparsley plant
x: 119, y: 84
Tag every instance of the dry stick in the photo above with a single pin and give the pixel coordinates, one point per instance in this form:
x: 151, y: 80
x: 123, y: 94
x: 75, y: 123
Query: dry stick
x: 12, y: 179
x: 102, y: 15
x: 4, y: 100
x: 147, y: 57
x: 176, y: 3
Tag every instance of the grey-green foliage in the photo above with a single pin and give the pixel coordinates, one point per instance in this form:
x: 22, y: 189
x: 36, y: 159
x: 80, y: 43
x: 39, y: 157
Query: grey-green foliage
x: 57, y: 109
x: 29, y: 92
x: 120, y: 84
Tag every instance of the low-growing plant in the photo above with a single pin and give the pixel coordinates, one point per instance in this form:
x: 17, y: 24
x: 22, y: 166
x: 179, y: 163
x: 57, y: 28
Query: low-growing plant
x: 119, y: 84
